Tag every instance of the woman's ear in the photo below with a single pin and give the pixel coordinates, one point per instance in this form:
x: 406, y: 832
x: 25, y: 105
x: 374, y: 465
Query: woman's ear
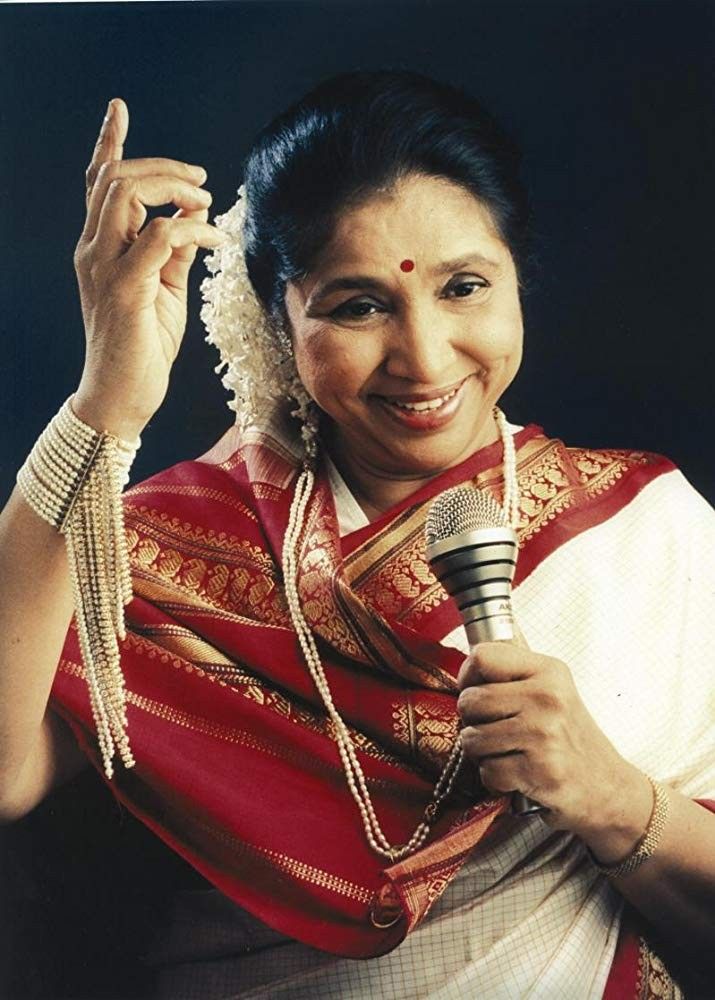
x: 282, y: 322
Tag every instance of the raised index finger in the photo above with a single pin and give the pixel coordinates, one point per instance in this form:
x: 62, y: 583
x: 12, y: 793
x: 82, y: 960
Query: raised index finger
x: 110, y: 142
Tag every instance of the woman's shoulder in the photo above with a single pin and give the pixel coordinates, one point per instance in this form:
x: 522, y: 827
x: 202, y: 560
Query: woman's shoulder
x: 536, y: 439
x: 210, y: 493
x: 651, y: 468
x: 555, y: 473
x: 555, y: 459
x: 190, y: 477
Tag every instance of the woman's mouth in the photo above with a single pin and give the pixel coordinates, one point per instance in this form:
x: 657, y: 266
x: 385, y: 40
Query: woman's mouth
x: 425, y: 414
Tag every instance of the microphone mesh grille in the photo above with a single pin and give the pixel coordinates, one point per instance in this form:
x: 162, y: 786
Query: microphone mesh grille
x: 460, y: 509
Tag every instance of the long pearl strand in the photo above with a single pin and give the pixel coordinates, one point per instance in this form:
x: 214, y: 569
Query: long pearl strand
x: 73, y: 479
x: 351, y: 765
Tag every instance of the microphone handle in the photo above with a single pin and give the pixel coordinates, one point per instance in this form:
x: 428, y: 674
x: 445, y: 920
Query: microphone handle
x: 522, y: 805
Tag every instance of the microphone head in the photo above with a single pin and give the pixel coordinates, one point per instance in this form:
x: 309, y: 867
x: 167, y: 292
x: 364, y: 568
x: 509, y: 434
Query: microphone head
x: 472, y: 550
x: 461, y: 509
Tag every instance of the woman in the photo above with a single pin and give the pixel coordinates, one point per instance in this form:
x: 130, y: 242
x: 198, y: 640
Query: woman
x: 287, y: 696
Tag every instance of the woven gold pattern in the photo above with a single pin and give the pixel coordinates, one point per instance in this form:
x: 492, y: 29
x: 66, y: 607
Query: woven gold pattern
x: 428, y: 728
x: 293, y: 866
x: 654, y: 981
x: 204, y: 492
x: 220, y: 569
x: 391, y: 565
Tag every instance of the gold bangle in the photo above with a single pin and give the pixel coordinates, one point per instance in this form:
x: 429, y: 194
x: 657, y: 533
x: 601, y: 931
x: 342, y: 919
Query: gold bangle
x: 647, y: 845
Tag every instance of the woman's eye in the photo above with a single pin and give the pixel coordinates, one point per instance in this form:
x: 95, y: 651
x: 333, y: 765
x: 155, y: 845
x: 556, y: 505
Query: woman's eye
x: 354, y: 309
x: 464, y: 289
x: 363, y: 309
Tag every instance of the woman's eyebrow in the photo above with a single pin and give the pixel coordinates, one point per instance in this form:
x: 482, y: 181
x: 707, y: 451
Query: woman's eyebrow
x: 460, y: 263
x: 354, y: 281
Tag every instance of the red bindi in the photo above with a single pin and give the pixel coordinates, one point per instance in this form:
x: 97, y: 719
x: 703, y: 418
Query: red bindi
x: 407, y: 265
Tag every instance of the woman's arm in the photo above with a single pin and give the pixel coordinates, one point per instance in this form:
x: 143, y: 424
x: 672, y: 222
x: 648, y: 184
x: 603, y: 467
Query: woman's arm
x: 675, y: 888
x: 35, y: 611
x: 527, y: 730
x: 133, y: 288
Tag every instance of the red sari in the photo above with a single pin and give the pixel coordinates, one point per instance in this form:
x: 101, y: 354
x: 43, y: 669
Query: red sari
x: 236, y: 766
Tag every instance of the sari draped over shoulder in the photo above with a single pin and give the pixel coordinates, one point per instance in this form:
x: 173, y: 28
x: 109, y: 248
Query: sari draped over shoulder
x: 237, y: 769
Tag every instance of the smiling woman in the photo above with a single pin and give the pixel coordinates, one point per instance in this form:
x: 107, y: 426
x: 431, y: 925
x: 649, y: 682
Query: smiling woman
x: 258, y: 634
x: 408, y: 370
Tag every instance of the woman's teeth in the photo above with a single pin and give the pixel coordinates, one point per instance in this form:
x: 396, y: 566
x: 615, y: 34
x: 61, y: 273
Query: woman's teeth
x: 432, y: 404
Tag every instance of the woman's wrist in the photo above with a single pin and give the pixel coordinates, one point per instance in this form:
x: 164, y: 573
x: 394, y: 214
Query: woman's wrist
x: 622, y: 818
x: 102, y: 417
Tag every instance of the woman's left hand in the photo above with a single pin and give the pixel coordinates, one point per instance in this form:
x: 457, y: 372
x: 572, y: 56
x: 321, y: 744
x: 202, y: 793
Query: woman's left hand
x: 527, y: 730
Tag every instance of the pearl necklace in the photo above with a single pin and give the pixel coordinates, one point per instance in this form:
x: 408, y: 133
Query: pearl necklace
x: 351, y: 765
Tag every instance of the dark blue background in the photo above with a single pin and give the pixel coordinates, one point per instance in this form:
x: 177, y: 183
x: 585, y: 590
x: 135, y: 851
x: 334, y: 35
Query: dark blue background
x: 612, y: 103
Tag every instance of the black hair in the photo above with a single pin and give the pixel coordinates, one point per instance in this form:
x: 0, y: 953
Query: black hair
x: 356, y: 133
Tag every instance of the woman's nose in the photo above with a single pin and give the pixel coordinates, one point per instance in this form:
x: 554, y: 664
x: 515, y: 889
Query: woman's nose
x: 420, y: 347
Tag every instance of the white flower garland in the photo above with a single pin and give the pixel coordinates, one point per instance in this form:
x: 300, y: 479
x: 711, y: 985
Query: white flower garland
x: 255, y: 351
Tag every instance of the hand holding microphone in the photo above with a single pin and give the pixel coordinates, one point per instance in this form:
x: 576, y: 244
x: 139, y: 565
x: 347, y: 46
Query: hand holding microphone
x: 525, y: 724
x: 472, y: 552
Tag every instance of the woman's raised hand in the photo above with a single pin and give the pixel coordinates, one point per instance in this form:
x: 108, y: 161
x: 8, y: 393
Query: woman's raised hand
x: 133, y: 281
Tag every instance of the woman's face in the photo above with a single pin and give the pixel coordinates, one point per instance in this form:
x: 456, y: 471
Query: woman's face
x: 408, y: 362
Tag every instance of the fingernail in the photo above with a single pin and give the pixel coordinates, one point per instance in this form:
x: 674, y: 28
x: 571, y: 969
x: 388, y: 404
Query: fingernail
x: 200, y: 173
x: 109, y: 112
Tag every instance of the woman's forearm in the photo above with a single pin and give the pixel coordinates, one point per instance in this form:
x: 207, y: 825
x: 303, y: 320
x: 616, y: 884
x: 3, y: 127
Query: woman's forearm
x: 35, y: 611
x: 675, y: 888
x: 528, y: 729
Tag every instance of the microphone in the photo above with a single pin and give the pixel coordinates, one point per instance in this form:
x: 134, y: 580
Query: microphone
x: 472, y: 551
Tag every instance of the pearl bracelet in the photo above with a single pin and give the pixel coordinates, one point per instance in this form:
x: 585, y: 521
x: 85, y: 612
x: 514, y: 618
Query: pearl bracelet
x: 73, y: 479
x: 646, y: 846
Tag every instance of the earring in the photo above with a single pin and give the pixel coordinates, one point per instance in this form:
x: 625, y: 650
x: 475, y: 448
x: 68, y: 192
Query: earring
x: 306, y: 410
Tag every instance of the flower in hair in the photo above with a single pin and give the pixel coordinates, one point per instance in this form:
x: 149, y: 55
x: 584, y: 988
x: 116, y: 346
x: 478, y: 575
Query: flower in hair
x: 256, y: 354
